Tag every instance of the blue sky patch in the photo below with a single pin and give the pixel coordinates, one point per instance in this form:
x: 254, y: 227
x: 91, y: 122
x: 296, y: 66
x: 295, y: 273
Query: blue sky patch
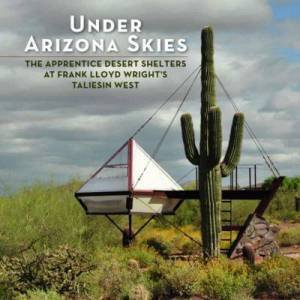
x: 287, y: 10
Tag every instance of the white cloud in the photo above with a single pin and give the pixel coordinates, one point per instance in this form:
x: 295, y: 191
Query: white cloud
x: 289, y: 34
x: 166, y: 16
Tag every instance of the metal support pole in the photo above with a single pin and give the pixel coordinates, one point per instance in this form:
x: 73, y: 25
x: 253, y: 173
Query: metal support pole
x: 197, y: 181
x: 144, y: 225
x: 250, y: 178
x: 297, y: 203
x: 114, y: 223
x: 130, y: 224
x: 236, y: 177
x: 255, y: 178
x: 128, y: 235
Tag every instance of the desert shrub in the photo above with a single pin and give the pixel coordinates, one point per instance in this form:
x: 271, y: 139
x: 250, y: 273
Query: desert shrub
x: 190, y: 247
x: 288, y: 184
x: 283, y: 205
x: 282, y: 208
x: 59, y: 270
x: 170, y: 237
x: 279, y: 275
x: 226, y: 280
x: 241, y: 210
x: 214, y: 280
x: 121, y: 273
x: 50, y: 215
x: 289, y: 236
x: 175, y: 280
x: 188, y: 213
x: 162, y: 247
x: 139, y: 292
x: 145, y: 257
x: 5, y: 294
x: 116, y: 280
x: 41, y: 295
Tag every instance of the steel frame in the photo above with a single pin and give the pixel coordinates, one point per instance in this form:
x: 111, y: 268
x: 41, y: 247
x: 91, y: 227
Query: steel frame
x: 264, y: 195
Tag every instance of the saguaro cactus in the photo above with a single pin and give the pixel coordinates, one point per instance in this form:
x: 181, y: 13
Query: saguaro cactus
x: 209, y: 155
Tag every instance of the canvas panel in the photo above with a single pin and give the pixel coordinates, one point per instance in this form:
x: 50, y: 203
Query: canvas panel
x: 112, y: 176
x: 143, y: 205
x: 154, y: 177
x: 117, y: 204
x: 105, y: 204
x: 169, y: 204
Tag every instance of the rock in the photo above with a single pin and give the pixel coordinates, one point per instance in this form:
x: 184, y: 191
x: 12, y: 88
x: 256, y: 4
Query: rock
x: 139, y: 292
x: 257, y: 241
x: 133, y: 264
x: 261, y: 226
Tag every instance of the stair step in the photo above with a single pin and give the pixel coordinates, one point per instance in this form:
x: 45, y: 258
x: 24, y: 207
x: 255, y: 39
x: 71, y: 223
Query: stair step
x: 226, y: 220
x: 226, y: 240
x: 226, y: 210
x: 224, y: 249
x: 231, y: 228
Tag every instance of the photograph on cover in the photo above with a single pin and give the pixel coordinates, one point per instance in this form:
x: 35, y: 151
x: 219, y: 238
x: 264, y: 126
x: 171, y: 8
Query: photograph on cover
x: 149, y: 149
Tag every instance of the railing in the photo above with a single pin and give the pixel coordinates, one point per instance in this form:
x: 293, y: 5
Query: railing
x: 247, y: 171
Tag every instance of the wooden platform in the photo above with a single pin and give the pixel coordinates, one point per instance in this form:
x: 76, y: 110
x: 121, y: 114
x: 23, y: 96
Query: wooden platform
x: 245, y: 194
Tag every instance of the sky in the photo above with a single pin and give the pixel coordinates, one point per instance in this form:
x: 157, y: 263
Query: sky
x: 49, y: 131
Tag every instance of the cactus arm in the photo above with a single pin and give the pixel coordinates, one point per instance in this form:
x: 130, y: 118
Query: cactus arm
x: 215, y: 136
x: 188, y: 137
x: 232, y: 156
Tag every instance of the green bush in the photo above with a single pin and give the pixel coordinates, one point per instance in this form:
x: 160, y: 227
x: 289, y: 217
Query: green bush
x: 280, y: 276
x: 41, y: 295
x: 139, y: 292
x: 283, y: 205
x: 115, y: 280
x: 144, y: 256
x: 289, y: 236
x: 188, y: 213
x: 117, y: 277
x: 51, y: 216
x: 175, y: 280
x: 190, y: 248
x: 59, y: 270
x: 226, y: 280
x: 220, y: 279
x: 289, y: 183
x: 162, y: 247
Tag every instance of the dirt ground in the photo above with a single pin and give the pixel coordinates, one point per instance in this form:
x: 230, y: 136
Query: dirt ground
x: 292, y: 251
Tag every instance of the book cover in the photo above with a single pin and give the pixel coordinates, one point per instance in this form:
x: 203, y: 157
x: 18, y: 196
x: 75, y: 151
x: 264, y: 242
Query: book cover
x: 149, y: 149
